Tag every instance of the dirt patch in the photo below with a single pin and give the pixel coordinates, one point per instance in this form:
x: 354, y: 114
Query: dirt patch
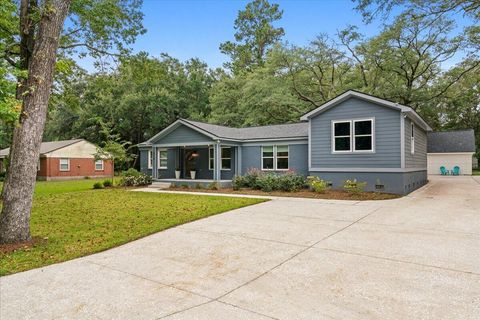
x: 329, y: 194
x: 11, y: 247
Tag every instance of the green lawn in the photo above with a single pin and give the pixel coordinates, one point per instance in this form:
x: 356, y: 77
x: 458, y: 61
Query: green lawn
x: 476, y: 172
x: 76, y: 220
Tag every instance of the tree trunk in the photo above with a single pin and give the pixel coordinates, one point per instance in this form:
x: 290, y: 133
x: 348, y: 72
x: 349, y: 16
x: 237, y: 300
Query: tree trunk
x: 27, y: 136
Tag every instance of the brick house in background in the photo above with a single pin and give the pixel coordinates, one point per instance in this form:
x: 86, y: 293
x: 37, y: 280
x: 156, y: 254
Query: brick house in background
x: 68, y: 159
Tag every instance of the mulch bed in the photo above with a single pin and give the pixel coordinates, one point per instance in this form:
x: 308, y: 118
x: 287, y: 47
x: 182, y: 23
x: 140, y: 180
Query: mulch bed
x: 329, y: 194
x: 8, y: 248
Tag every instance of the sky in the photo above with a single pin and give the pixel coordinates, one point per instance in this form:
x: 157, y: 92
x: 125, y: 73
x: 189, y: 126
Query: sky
x: 195, y: 28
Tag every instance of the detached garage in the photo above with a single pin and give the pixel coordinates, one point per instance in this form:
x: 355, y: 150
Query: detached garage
x: 450, y: 149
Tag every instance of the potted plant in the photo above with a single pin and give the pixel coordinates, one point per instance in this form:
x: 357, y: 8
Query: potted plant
x: 177, y: 173
x: 192, y: 174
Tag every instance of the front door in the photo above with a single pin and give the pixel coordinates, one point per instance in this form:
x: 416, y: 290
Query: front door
x: 190, y: 162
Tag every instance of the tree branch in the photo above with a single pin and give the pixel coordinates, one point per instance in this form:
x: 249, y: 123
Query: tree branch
x: 86, y: 45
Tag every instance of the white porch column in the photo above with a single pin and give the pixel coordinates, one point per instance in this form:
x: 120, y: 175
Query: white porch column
x: 154, y: 163
x: 238, y: 161
x: 217, y: 162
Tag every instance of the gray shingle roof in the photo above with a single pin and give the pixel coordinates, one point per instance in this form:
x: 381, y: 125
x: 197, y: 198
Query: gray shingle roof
x: 46, y: 147
x: 290, y: 130
x: 451, y: 141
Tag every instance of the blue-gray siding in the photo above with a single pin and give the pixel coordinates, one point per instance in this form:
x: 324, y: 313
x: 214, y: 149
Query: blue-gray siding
x: 297, y: 157
x: 183, y: 135
x: 390, y: 182
x: 387, y: 133
x: 419, y: 158
x: 144, y: 162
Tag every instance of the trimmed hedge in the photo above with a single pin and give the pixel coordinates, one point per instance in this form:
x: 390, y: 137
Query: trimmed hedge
x: 269, y: 181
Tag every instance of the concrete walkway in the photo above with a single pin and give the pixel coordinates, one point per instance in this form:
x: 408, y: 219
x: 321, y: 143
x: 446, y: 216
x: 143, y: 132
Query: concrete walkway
x: 416, y: 257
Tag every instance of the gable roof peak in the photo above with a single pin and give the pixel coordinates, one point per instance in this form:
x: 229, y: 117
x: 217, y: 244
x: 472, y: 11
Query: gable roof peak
x: 370, y: 98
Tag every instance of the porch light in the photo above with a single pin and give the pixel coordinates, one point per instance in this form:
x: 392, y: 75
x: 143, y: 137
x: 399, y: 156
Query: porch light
x: 195, y: 154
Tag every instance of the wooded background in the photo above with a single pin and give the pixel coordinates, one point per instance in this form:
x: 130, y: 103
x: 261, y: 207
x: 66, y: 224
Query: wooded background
x: 131, y: 97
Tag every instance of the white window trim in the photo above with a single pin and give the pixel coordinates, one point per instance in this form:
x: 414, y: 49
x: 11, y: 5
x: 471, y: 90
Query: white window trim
x: 210, y: 158
x: 282, y: 157
x: 159, y: 158
x: 221, y: 158
x: 412, y: 138
x: 275, y: 157
x: 333, y: 136
x: 60, y: 164
x: 149, y: 160
x: 95, y: 163
x: 272, y: 157
x: 352, y: 136
x: 372, y: 135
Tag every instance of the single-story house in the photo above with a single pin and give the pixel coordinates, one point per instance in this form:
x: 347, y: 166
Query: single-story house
x: 450, y: 149
x: 68, y: 159
x: 353, y: 136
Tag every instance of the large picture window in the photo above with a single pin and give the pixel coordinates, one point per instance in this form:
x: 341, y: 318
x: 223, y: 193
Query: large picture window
x: 162, y: 158
x: 275, y: 158
x: 64, y: 164
x: 353, y: 136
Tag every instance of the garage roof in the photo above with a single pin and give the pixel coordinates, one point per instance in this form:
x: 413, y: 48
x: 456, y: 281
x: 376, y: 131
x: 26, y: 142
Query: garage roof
x: 451, y: 141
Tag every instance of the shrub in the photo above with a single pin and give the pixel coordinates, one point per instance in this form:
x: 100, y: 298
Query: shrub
x: 86, y: 177
x: 353, y: 186
x: 97, y: 185
x: 317, y: 184
x: 133, y: 178
x: 198, y: 186
x: 131, y: 173
x: 107, y: 183
x: 239, y: 182
x: 291, y: 181
x: 268, y: 182
x: 184, y: 186
x: 251, y: 178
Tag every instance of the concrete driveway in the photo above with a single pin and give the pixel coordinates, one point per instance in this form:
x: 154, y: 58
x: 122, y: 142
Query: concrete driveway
x: 417, y: 257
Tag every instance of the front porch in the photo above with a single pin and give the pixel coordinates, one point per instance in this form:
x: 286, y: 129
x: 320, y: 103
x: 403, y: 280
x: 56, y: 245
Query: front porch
x: 195, y: 165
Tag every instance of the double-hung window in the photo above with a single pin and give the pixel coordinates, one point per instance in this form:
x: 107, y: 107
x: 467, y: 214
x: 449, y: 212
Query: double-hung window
x: 282, y: 157
x: 225, y: 156
x: 412, y: 139
x: 268, y: 158
x: 353, y: 136
x: 150, y: 160
x: 64, y: 164
x: 162, y: 158
x: 342, y: 136
x: 211, y: 158
x: 99, y: 165
x: 275, y: 158
x: 363, y: 135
